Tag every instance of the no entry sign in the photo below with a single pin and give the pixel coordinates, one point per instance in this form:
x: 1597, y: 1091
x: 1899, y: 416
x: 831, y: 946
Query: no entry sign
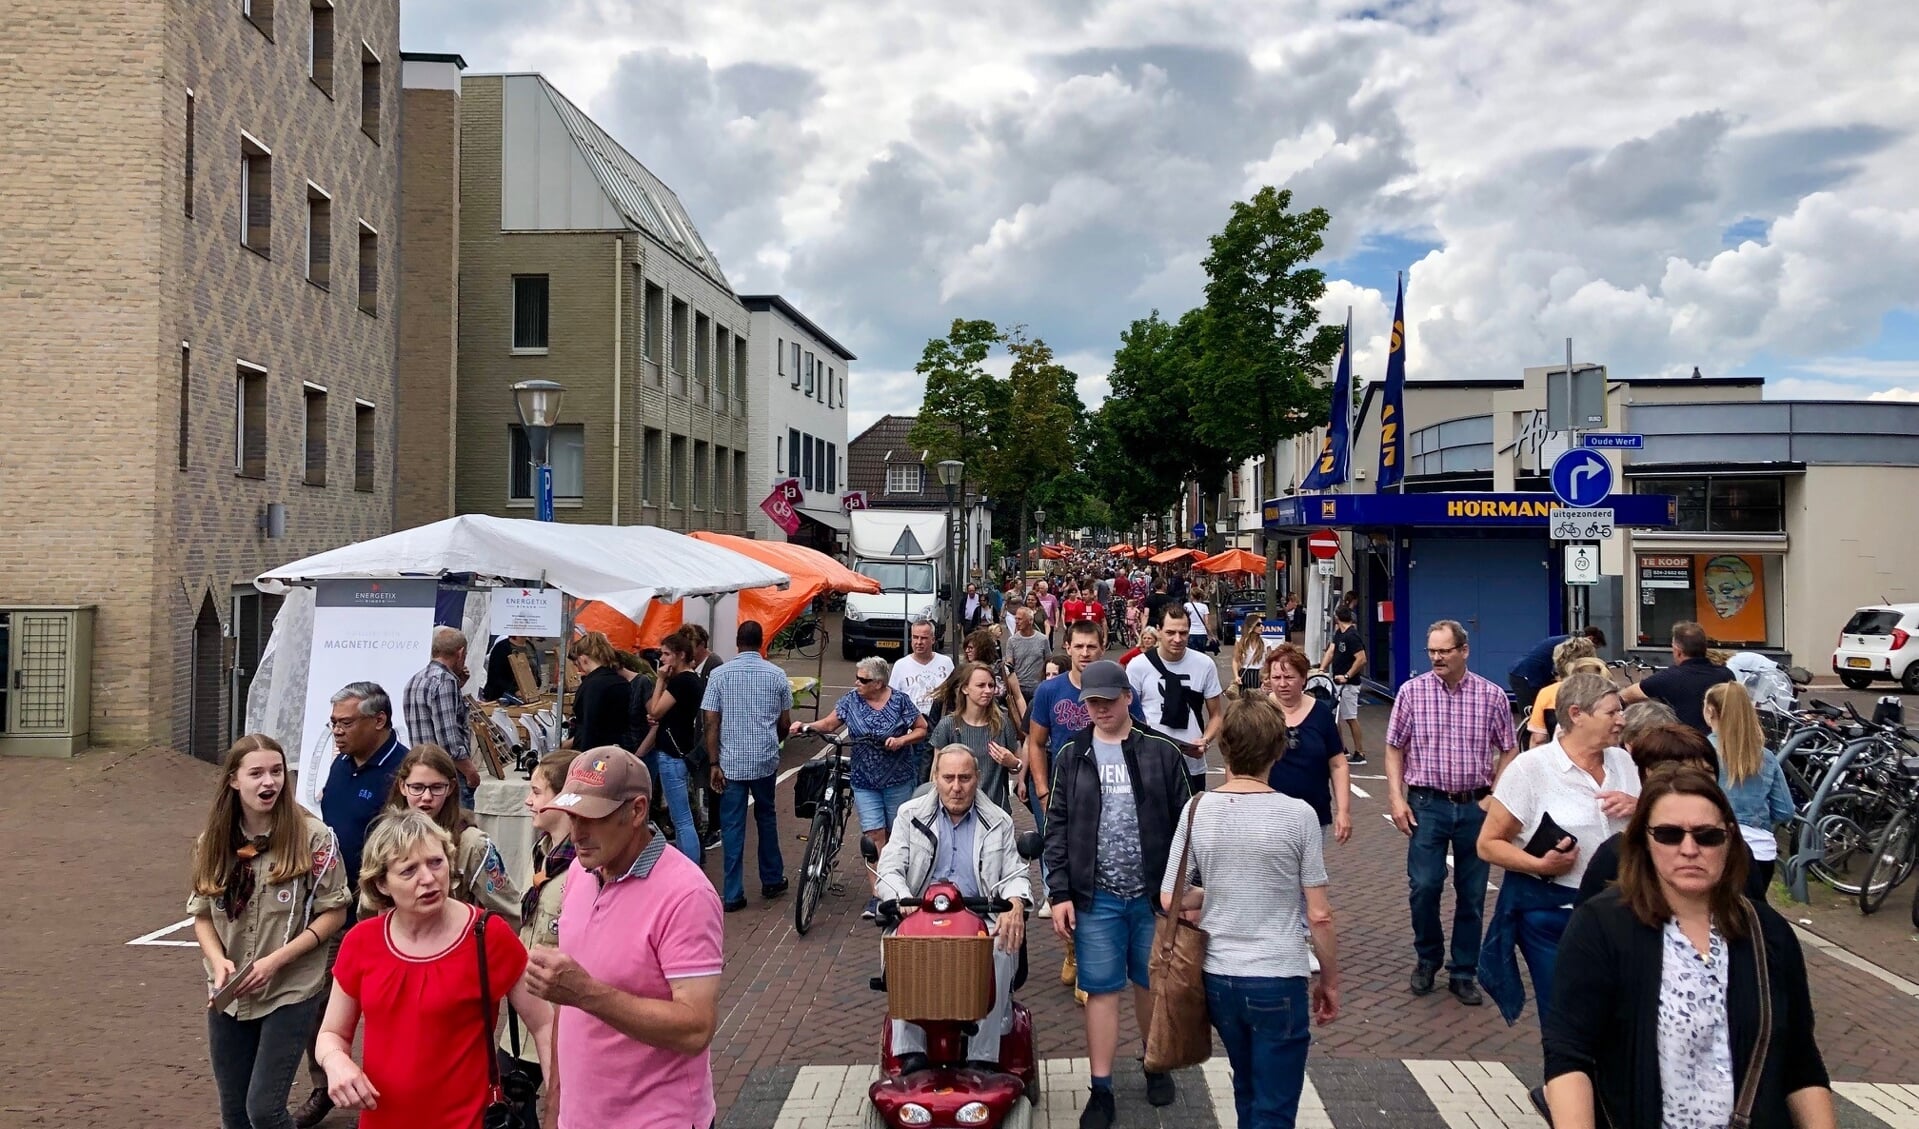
x: 1324, y: 545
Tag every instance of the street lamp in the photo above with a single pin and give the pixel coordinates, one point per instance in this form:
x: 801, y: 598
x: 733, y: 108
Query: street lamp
x: 539, y: 405
x: 951, y: 471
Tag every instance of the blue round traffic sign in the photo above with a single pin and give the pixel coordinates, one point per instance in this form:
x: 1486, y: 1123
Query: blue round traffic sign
x: 1581, y: 477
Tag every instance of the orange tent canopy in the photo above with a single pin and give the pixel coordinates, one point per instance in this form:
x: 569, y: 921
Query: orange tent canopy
x: 1235, y: 560
x: 1051, y: 553
x: 1172, y: 555
x: 1118, y: 549
x: 812, y: 572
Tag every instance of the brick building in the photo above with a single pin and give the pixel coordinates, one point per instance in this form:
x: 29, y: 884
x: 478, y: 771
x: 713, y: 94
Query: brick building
x: 201, y: 205
x: 573, y: 263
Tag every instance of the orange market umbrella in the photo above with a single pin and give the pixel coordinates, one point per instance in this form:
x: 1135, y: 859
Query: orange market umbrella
x: 1118, y: 550
x: 1051, y: 553
x: 1235, y: 560
x: 812, y: 572
x: 1172, y: 555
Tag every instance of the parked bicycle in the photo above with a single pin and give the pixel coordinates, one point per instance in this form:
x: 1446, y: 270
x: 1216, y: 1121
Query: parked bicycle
x: 805, y: 637
x: 825, y: 780
x: 1855, y: 797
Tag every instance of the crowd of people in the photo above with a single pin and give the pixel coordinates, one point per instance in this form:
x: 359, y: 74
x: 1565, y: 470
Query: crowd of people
x: 1634, y: 832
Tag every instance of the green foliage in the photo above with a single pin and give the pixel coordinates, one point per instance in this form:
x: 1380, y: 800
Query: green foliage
x: 964, y: 403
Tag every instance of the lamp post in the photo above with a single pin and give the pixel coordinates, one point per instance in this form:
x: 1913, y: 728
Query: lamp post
x: 951, y: 471
x: 1039, y: 538
x: 539, y: 404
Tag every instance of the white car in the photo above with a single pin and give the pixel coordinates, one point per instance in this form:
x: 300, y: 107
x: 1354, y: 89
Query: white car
x: 1881, y: 641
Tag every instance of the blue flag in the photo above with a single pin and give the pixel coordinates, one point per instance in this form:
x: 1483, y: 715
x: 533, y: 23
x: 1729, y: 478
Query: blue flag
x: 1330, y: 468
x: 1392, y: 437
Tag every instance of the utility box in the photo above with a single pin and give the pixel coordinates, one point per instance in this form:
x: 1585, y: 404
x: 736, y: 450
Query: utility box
x: 46, y: 680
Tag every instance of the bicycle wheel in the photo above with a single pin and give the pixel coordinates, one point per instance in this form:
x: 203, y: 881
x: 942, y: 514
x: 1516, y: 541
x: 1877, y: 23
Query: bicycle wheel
x: 807, y: 639
x: 1844, y: 835
x: 1892, y: 861
x: 816, y: 866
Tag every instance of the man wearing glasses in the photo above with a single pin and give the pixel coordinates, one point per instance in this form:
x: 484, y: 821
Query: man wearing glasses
x: 357, y: 786
x: 1450, y: 736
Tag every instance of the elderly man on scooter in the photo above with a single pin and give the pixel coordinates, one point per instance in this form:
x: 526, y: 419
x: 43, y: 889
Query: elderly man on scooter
x: 953, y: 834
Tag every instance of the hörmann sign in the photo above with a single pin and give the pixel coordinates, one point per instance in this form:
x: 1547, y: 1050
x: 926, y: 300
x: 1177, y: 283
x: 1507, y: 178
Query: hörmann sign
x: 1475, y: 509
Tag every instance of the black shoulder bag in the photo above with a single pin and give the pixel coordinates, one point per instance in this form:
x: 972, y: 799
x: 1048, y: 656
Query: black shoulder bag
x: 1177, y: 703
x: 499, y: 1113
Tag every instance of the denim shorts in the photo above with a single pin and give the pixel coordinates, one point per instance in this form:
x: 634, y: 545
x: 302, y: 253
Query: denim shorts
x: 1112, y: 941
x: 878, y: 806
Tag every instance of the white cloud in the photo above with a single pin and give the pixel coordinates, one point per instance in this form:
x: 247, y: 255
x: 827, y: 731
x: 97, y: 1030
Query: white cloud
x: 890, y: 166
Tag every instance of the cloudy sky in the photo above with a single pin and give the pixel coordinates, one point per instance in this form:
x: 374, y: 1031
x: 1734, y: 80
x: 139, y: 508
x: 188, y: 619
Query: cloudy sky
x: 1718, y: 183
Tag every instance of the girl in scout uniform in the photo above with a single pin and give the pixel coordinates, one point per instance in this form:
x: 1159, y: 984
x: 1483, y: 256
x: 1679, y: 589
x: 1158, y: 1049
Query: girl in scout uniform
x: 540, y: 913
x: 268, y: 891
x: 426, y: 782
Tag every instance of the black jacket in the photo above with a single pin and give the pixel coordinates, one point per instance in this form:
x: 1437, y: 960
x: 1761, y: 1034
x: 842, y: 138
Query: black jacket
x: 1160, y: 790
x: 601, y: 709
x: 1604, y: 1021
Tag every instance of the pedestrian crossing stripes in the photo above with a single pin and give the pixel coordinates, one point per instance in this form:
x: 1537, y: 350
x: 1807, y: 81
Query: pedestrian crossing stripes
x: 1339, y: 1094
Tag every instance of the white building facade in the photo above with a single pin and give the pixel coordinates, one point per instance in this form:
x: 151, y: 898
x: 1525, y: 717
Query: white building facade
x: 796, y: 420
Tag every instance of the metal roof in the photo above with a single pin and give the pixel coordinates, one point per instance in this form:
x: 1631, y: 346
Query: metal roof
x: 644, y: 199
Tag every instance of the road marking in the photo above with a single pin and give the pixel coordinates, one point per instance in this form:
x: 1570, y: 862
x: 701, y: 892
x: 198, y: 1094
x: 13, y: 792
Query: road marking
x: 1853, y: 960
x: 1357, y: 776
x: 1897, y: 1106
x: 153, y: 938
x: 1358, y: 791
x: 1474, y: 1095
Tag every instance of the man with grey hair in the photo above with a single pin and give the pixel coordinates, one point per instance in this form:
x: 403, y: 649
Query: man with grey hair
x: 357, y: 786
x: 436, y: 710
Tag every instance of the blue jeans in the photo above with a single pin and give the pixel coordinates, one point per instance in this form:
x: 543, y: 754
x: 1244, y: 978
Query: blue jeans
x: 1528, y: 919
x: 1113, y: 942
x: 879, y: 806
x: 671, y: 774
x: 733, y: 835
x: 1442, y: 822
x: 1038, y: 809
x: 1266, y: 1025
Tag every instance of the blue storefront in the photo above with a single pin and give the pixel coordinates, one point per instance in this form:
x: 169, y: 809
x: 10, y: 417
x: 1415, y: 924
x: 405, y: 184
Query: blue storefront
x: 1483, y: 559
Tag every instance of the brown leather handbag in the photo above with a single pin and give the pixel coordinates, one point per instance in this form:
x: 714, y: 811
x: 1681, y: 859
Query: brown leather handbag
x: 1179, y: 1033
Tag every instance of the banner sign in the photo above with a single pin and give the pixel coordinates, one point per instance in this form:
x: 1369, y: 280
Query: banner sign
x: 525, y: 611
x: 1652, y: 511
x: 781, y: 505
x: 363, y: 631
x: 853, y: 500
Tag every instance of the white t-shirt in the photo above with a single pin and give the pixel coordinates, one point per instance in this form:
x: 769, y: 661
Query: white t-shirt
x: 1544, y: 779
x: 1202, y: 676
x: 1196, y: 613
x: 918, y: 680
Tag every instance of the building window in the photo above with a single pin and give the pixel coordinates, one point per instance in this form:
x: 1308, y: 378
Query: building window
x: 314, y: 438
x: 794, y: 371
x: 779, y: 357
x: 1736, y: 597
x: 722, y: 466
x: 806, y: 462
x: 700, y: 474
x: 320, y: 47
x: 739, y: 482
x: 259, y: 13
x: 565, y: 453
x: 189, y: 171
x: 250, y: 421
x: 792, y: 452
x: 655, y: 322
x: 831, y: 402
x: 779, y: 454
x: 256, y: 195
x: 819, y: 464
x: 651, y: 452
x: 905, y: 478
x: 702, y: 354
x: 319, y: 236
x: 722, y: 365
x: 369, y: 92
x: 1723, y: 504
x: 366, y: 451
x: 186, y: 401
x: 678, y: 472
x: 832, y: 467
x: 809, y: 376
x: 739, y: 376
x: 679, y: 344
x: 369, y: 270
x: 529, y: 313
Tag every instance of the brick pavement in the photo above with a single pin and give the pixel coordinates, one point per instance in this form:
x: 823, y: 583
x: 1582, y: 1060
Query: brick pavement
x: 107, y: 838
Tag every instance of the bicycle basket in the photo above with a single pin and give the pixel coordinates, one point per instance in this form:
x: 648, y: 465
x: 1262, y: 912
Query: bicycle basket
x: 810, y: 784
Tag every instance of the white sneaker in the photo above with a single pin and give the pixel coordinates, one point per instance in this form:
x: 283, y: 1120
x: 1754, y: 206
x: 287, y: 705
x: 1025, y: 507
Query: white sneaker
x: 1046, y: 909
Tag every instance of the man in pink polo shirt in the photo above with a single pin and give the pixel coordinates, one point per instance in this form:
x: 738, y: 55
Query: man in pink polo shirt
x: 636, y: 975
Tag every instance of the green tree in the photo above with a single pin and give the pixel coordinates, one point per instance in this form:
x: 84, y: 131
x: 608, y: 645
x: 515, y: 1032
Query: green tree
x: 964, y: 404
x: 1144, y: 448
x: 1035, y: 462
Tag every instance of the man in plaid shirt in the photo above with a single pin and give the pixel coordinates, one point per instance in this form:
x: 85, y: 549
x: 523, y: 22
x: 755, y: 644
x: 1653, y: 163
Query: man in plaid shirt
x: 435, y: 710
x: 1450, y: 737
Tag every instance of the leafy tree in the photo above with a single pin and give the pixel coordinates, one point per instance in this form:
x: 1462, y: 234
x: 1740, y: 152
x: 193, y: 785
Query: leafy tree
x: 1144, y: 447
x: 964, y: 403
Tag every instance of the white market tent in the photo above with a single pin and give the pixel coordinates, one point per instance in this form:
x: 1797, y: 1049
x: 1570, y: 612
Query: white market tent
x: 624, y: 566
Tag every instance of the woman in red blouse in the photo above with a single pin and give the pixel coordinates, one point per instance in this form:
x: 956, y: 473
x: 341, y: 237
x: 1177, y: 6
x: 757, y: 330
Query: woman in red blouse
x: 413, y: 973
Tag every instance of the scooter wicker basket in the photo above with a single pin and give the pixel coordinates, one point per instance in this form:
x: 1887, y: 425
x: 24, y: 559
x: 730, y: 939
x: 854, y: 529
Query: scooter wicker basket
x: 939, y: 978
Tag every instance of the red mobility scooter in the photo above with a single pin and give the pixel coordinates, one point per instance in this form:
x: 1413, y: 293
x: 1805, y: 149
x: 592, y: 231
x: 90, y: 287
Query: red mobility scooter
x: 939, y: 975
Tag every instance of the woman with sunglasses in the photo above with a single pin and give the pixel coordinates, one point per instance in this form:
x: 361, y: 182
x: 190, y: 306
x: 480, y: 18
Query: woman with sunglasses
x: 1549, y: 810
x: 884, y: 727
x: 1658, y: 1006
x: 425, y: 782
x: 268, y: 891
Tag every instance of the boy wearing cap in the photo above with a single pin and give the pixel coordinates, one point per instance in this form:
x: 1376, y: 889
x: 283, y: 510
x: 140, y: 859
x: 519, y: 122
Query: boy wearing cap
x: 1117, y: 790
x: 636, y: 975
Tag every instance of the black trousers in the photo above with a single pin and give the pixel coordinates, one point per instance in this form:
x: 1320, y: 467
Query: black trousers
x: 254, y: 1061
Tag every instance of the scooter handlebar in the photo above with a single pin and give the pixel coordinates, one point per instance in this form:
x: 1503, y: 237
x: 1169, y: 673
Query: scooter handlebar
x: 889, y: 911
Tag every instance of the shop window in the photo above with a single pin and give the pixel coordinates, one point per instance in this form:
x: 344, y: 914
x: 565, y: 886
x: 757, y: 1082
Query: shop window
x: 1723, y: 504
x: 1736, y: 597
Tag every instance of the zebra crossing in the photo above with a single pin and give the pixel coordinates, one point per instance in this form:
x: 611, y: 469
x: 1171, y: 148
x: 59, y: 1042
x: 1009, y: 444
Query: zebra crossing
x: 1339, y: 1094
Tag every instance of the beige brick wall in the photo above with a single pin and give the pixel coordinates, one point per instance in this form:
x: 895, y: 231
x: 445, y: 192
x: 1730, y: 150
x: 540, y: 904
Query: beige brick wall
x: 429, y: 307
x: 582, y: 269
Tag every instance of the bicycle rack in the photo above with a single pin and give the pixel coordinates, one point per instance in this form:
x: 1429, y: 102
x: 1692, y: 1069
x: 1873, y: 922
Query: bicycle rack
x: 1795, y: 867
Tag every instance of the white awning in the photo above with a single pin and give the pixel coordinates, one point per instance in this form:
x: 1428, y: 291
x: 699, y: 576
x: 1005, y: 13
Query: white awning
x: 832, y: 519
